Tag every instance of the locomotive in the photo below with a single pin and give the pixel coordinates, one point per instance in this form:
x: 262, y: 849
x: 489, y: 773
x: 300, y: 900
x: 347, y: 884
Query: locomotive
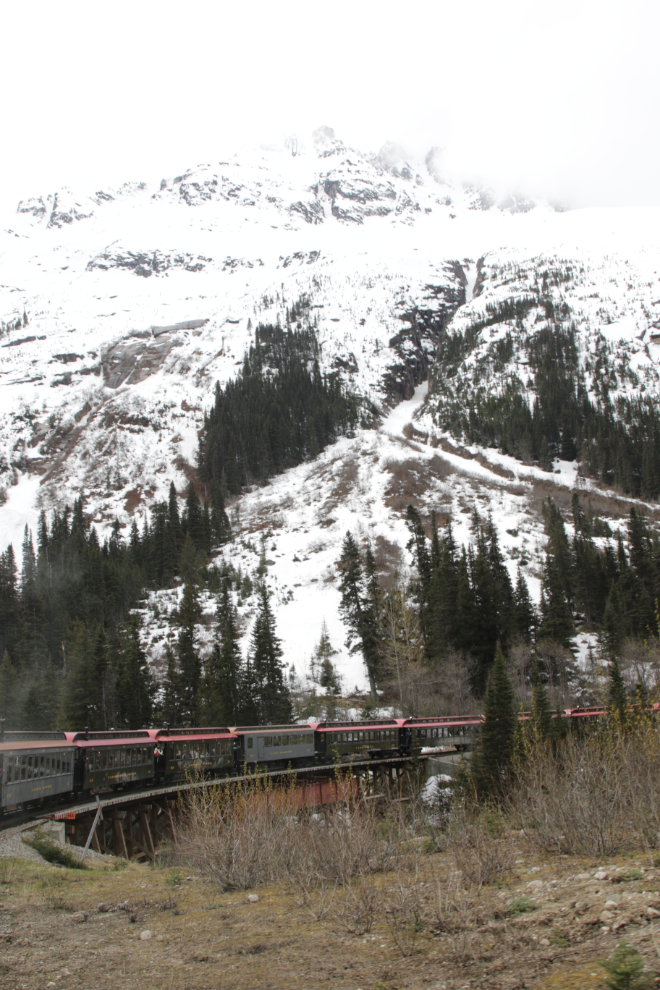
x: 39, y: 769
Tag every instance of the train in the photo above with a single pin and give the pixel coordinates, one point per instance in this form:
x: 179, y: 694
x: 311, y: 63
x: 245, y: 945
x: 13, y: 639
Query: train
x: 42, y: 769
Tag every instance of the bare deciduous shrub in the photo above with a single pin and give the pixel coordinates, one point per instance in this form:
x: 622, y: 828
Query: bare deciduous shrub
x: 594, y: 795
x: 360, y: 907
x: 481, y: 847
x: 244, y: 834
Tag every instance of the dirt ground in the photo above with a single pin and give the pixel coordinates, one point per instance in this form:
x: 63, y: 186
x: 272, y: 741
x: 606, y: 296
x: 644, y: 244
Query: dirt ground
x: 138, y: 927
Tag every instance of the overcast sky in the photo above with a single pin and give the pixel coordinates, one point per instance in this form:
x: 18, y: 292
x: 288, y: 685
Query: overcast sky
x: 559, y: 99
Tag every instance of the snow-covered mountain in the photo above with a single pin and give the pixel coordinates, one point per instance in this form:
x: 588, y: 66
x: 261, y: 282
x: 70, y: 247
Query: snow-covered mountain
x: 122, y: 308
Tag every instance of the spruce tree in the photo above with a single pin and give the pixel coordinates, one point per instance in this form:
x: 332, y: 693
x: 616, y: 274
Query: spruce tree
x: 222, y: 677
x: 493, y: 754
x: 357, y: 612
x: 273, y: 699
x: 617, y: 702
x: 323, y: 669
x: 523, y: 611
x: 135, y: 688
x: 9, y: 693
x: 189, y: 661
x: 541, y: 715
x: 81, y: 690
x: 170, y: 704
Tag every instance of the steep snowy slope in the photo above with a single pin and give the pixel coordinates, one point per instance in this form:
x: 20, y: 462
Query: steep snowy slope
x: 120, y: 310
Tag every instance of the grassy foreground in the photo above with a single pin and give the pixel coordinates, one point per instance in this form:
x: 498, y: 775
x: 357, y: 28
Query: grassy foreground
x: 541, y: 922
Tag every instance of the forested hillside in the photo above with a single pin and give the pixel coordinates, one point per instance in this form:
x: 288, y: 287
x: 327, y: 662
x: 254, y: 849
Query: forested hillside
x: 526, y: 370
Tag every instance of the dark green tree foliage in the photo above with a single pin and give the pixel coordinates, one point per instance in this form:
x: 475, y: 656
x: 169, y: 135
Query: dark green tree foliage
x: 557, y: 590
x: 541, y: 714
x: 616, y: 693
x: 266, y: 677
x: 618, y: 442
x: 493, y: 754
x: 466, y: 600
x: 189, y: 661
x: 69, y: 590
x: 81, y: 687
x: 523, y: 617
x: 359, y: 608
x: 276, y: 414
x: 9, y: 692
x: 221, y: 688
x: 134, y: 687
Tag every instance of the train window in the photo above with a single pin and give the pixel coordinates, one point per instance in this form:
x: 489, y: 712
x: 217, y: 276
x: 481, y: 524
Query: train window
x: 122, y: 758
x: 285, y: 740
x: 310, y: 738
x: 361, y: 736
x: 268, y: 740
x: 9, y: 773
x: 277, y: 740
x: 249, y: 742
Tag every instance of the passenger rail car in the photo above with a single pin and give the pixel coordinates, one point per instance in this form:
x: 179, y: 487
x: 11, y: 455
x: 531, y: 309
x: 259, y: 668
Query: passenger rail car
x: 456, y: 731
x: 275, y: 745
x: 111, y: 760
x: 35, y: 768
x: 180, y: 753
x: 344, y: 741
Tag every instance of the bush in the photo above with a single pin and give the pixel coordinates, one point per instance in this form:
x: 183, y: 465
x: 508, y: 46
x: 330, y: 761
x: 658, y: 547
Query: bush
x: 250, y: 833
x: 591, y: 795
x: 625, y: 969
x: 53, y: 853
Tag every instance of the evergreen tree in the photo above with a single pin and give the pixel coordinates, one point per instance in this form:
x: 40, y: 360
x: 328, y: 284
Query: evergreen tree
x: 194, y: 520
x: 9, y: 693
x: 222, y: 677
x: 617, y: 701
x: 356, y: 611
x: 81, y: 690
x: 541, y: 716
x: 170, y: 703
x: 189, y: 662
x: 613, y: 623
x: 493, y: 754
x: 322, y: 668
x: 523, y: 618
x: 135, y: 688
x: 273, y: 699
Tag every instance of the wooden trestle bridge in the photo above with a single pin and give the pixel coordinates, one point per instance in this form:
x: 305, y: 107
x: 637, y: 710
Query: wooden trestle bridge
x: 133, y: 825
